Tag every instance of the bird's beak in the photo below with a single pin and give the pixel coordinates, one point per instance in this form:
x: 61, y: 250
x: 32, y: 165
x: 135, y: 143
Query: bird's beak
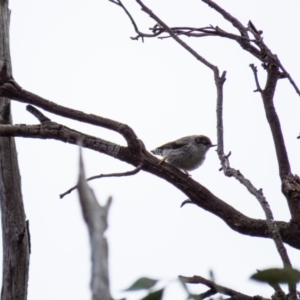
x: 213, y: 145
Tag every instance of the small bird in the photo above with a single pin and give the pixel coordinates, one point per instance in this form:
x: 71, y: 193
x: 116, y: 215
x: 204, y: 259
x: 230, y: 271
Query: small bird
x: 187, y: 153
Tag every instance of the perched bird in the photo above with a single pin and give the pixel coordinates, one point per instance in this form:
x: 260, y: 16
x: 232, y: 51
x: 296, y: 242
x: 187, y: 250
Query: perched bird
x: 187, y: 153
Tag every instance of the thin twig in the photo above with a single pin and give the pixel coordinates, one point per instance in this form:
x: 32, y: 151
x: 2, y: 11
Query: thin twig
x: 228, y: 171
x: 244, y: 40
x: 140, y: 34
x: 253, y: 29
x: 254, y: 69
x: 263, y: 53
x: 263, y: 46
x: 128, y: 173
x: 38, y: 114
x: 188, y: 201
x: 257, y: 193
x: 215, y: 287
x: 174, y: 36
x: 198, y: 32
x: 235, y: 22
x: 207, y: 294
x: 287, y: 75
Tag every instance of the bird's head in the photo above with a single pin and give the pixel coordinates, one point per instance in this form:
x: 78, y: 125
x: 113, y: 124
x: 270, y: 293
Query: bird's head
x: 204, y: 142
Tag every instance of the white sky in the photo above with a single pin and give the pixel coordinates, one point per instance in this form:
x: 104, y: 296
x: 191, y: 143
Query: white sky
x: 79, y: 54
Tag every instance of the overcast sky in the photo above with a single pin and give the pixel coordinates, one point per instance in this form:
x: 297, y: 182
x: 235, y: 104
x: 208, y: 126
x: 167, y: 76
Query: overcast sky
x: 79, y: 54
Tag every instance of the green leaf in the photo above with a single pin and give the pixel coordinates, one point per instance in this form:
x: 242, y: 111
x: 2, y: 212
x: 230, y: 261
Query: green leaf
x: 273, y: 276
x: 143, y: 283
x: 157, y: 295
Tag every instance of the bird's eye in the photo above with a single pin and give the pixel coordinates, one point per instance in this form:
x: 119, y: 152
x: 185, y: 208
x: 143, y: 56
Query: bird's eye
x: 204, y: 142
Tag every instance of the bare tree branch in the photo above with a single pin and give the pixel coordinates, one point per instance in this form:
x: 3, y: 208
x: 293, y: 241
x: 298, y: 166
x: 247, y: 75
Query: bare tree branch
x: 136, y: 154
x: 228, y: 171
x: 139, y: 33
x: 259, y: 49
x: 254, y: 69
x: 95, y: 217
x: 290, y: 182
x: 197, y: 193
x: 174, y: 36
x: 43, y: 119
x: 265, y: 53
x: 272, y: 65
x: 235, y: 22
x: 38, y: 114
x: 215, y: 287
x: 123, y: 174
x: 273, y: 119
x: 9, y: 88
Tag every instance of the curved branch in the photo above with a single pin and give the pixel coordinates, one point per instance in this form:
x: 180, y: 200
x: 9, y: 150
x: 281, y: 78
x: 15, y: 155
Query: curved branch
x: 272, y: 117
x: 197, y: 193
x: 10, y: 88
x: 123, y: 174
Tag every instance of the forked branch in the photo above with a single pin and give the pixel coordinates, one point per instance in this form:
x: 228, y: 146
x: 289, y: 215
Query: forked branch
x: 197, y: 193
x: 10, y: 88
x: 215, y: 288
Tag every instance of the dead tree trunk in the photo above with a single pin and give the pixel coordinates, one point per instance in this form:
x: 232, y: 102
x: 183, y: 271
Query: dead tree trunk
x: 14, y: 227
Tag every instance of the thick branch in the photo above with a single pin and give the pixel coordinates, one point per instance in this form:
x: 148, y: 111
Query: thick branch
x: 11, y: 89
x: 197, y: 193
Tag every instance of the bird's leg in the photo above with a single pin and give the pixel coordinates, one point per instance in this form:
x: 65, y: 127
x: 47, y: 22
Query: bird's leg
x: 162, y: 160
x: 187, y: 173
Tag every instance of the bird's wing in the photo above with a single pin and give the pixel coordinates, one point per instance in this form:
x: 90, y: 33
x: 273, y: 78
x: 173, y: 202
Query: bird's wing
x: 175, y: 144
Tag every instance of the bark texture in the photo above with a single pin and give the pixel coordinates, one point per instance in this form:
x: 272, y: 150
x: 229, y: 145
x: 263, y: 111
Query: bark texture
x: 14, y: 227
